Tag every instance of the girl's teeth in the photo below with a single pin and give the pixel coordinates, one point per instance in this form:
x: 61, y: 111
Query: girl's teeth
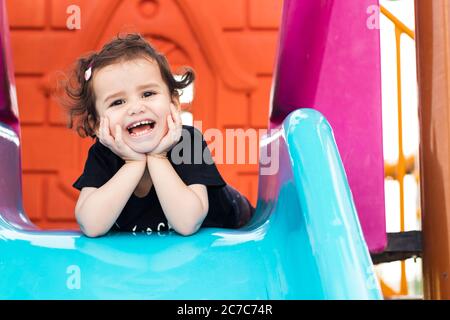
x: 140, y: 133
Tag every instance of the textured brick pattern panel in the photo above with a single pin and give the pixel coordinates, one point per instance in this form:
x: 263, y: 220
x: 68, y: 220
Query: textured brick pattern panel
x: 60, y: 205
x: 230, y: 14
x: 256, y: 50
x: 26, y: 14
x: 245, y: 31
x: 259, y: 103
x: 232, y: 108
x: 31, y: 100
x: 34, y: 51
x: 34, y: 200
x: 46, y: 148
x: 265, y: 13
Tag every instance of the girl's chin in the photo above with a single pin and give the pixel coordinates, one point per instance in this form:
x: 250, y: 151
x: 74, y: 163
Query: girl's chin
x: 142, y: 147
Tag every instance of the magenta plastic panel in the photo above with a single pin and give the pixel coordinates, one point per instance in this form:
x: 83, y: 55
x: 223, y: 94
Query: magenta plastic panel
x: 329, y: 60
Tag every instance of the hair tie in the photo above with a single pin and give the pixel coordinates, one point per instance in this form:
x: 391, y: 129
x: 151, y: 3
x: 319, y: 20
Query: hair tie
x: 88, y: 72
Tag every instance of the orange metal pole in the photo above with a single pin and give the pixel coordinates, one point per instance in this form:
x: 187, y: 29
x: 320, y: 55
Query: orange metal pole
x: 401, y: 157
x: 401, y: 166
x: 433, y: 70
x: 398, y: 24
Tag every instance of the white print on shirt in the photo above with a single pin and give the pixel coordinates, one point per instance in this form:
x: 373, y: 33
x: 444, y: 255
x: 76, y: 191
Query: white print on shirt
x: 160, y: 232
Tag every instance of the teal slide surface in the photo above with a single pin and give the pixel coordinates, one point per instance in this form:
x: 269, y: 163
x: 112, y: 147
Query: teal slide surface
x: 304, y: 242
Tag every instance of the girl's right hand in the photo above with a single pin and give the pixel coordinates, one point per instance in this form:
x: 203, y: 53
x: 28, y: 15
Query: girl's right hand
x: 116, y: 144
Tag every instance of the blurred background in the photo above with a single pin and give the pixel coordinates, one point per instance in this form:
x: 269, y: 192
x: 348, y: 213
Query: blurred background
x: 400, y: 146
x: 231, y: 45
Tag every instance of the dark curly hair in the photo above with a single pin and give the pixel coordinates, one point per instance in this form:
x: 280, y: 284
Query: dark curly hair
x: 80, y: 97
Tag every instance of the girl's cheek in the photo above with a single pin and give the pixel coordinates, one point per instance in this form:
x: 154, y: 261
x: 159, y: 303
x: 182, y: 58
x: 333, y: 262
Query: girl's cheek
x: 113, y: 118
x: 112, y: 132
x: 112, y: 128
x: 166, y: 126
x: 108, y: 113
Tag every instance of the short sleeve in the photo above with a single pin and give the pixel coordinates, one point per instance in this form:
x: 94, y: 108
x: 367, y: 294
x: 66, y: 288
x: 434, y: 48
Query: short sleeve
x: 97, y: 169
x: 192, y: 160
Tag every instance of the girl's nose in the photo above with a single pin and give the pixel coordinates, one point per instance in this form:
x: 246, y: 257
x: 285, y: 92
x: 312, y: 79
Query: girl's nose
x: 135, y: 108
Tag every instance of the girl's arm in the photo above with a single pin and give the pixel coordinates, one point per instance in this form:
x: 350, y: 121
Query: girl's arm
x: 97, y: 211
x: 185, y: 207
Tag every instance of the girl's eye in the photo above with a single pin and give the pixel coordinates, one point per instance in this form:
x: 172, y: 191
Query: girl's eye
x: 148, y: 94
x: 117, y: 102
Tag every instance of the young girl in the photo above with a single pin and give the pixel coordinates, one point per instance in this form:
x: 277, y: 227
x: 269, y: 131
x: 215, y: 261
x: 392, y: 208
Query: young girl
x: 126, y: 97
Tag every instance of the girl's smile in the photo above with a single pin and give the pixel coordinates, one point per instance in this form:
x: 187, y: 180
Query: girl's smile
x: 141, y: 128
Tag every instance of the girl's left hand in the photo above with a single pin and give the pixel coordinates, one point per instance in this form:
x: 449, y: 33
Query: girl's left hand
x: 173, y: 135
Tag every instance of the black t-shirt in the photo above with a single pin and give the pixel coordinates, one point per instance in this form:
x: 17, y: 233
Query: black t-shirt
x: 194, y: 167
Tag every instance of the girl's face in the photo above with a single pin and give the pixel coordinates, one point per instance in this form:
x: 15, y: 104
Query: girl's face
x: 133, y: 95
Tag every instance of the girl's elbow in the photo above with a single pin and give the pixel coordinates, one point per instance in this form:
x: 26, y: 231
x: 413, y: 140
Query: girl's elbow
x: 190, y: 229
x: 187, y: 231
x: 90, y: 231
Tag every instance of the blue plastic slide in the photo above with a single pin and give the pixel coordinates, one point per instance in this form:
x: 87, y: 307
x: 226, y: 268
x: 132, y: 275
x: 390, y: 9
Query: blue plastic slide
x: 304, y: 242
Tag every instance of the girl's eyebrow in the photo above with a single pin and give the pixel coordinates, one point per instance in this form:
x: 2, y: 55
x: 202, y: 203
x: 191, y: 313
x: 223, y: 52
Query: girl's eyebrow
x: 147, y: 85
x: 143, y: 86
x: 112, y: 96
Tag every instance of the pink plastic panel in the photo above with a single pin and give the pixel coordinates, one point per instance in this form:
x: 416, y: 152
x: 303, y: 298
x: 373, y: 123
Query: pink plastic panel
x: 329, y: 60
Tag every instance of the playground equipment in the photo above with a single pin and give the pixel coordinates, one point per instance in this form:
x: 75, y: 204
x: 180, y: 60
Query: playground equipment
x: 305, y: 240
x: 432, y: 43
